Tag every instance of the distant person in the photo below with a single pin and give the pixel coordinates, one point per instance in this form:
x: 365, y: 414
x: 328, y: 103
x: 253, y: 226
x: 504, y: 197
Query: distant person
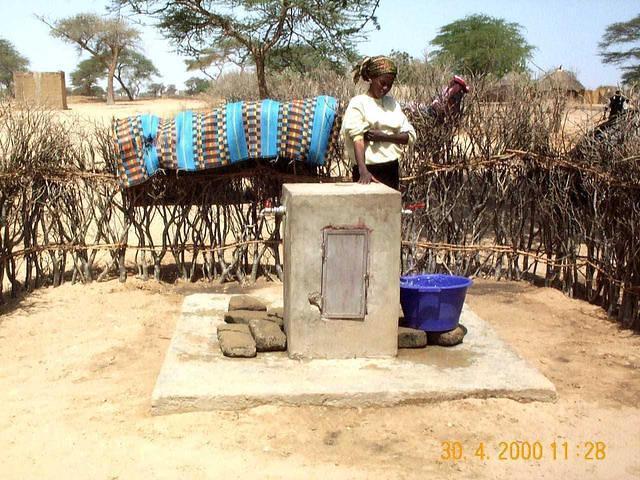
x: 448, y: 104
x: 616, y: 104
x: 374, y: 127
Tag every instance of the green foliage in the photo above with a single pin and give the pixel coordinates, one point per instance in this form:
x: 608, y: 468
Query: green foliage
x: 257, y: 29
x: 155, y: 89
x: 195, y: 85
x: 298, y: 58
x: 304, y: 58
x: 616, y: 35
x: 133, y: 71
x: 10, y: 61
x: 479, y: 44
x: 103, y: 38
x: 86, y: 76
x: 171, y: 90
x: 227, y: 51
x: 410, y: 69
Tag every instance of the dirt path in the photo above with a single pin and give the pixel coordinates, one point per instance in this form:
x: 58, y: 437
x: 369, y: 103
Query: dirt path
x: 78, y: 364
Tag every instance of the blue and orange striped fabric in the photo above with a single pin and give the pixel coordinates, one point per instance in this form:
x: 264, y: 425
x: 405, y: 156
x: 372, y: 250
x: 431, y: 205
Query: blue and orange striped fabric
x: 297, y: 130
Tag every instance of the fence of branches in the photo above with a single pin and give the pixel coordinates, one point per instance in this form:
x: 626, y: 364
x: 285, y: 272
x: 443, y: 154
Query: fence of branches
x: 518, y: 189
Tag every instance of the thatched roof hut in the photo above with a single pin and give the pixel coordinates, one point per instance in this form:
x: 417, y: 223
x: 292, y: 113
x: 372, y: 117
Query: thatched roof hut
x: 563, y: 81
x: 512, y: 79
x: 506, y: 87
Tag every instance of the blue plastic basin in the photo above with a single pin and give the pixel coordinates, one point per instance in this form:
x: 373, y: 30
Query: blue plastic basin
x: 432, y: 302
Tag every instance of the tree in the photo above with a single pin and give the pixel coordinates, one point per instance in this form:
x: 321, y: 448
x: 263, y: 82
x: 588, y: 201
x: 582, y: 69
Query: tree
x: 480, y: 44
x: 86, y: 76
x: 104, y: 39
x: 134, y: 70
x: 303, y: 58
x: 195, y: 85
x: 10, y: 61
x: 623, y: 33
x: 228, y: 50
x: 155, y: 89
x: 171, y: 90
x: 410, y: 69
x: 299, y: 58
x: 258, y: 27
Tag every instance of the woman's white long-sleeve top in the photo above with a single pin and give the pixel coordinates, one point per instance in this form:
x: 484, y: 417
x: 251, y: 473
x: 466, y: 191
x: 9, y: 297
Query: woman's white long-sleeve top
x: 367, y: 113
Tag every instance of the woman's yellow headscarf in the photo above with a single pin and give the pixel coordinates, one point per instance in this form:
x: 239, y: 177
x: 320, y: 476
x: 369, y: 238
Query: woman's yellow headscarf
x: 372, y: 67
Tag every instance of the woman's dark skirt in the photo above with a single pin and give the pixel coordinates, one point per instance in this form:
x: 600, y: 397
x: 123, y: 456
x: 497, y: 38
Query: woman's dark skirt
x: 387, y: 173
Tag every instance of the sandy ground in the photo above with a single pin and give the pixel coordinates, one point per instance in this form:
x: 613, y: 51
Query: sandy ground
x: 581, y: 118
x: 78, y: 364
x: 91, y: 111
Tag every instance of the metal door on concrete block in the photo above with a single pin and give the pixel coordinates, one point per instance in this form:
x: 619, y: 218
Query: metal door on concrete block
x: 345, y: 270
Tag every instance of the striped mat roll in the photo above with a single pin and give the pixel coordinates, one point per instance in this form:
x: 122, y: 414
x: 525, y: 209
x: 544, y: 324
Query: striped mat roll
x: 297, y: 130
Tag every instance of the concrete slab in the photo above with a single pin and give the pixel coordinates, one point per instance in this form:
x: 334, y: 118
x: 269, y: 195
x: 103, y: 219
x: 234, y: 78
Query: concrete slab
x: 196, y: 376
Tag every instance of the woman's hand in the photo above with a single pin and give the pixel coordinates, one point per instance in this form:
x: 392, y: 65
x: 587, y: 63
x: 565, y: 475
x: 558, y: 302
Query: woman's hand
x: 379, y: 136
x: 375, y: 136
x: 366, y: 177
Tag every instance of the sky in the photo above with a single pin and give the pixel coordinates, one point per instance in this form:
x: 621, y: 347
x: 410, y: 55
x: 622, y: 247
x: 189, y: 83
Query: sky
x: 564, y: 32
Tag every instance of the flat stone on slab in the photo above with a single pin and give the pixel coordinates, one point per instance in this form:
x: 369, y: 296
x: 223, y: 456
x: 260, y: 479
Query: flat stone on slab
x: 244, y: 316
x: 246, y: 302
x: 268, y: 336
x: 236, y: 341
x: 196, y: 376
x: 448, y: 339
x: 276, y: 315
x: 411, y: 338
x: 278, y: 321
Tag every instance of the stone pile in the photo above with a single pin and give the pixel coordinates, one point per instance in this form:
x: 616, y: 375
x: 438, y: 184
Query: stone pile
x: 250, y: 328
x: 236, y: 341
x: 413, y: 338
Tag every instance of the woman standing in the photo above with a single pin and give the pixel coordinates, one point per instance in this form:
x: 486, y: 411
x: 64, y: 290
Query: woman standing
x: 374, y: 128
